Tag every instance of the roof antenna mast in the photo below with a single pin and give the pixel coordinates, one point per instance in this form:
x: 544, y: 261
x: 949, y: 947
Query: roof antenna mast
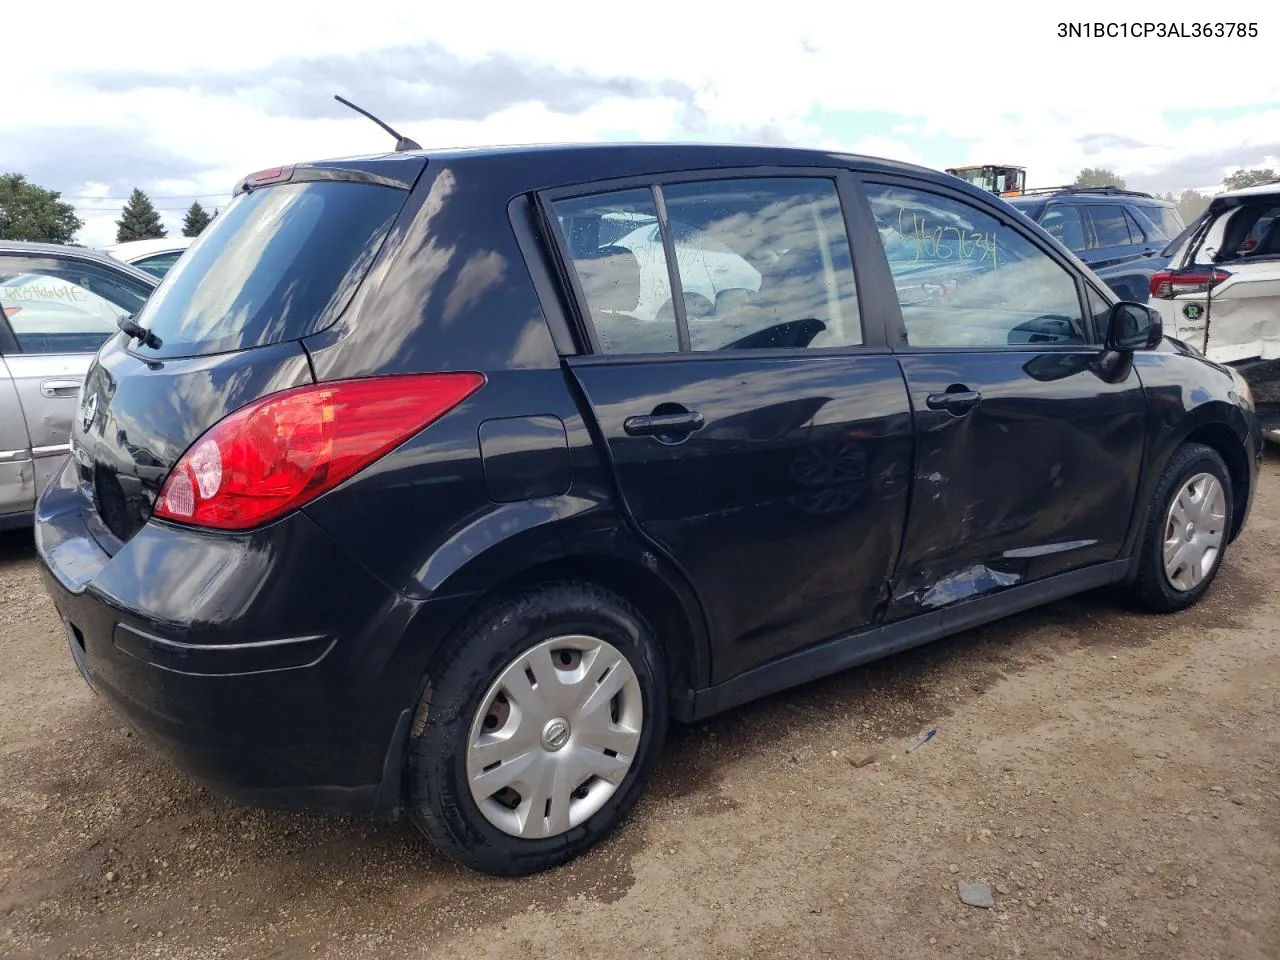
x: 402, y: 143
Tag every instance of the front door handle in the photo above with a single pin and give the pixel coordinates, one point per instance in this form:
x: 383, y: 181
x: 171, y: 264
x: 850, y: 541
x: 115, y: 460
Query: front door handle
x: 59, y: 388
x: 664, y: 425
x: 954, y: 401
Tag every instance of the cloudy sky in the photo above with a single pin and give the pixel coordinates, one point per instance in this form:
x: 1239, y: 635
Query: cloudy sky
x: 107, y: 97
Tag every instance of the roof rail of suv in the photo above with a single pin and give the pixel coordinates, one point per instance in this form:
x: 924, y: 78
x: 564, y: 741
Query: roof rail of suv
x: 1071, y: 188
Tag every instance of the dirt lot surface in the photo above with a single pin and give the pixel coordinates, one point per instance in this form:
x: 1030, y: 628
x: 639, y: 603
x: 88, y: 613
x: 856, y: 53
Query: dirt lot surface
x: 1112, y: 777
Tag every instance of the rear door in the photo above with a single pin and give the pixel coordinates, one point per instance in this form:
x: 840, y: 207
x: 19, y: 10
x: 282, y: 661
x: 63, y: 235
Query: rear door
x: 17, y: 474
x: 1028, y: 449
x: 757, y: 424
x: 58, y: 312
x: 1116, y: 237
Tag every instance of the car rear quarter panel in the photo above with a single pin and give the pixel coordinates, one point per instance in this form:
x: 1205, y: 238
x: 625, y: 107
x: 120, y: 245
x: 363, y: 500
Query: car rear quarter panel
x: 436, y: 520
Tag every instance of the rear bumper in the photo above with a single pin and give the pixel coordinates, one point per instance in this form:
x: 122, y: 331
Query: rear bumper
x: 268, y: 665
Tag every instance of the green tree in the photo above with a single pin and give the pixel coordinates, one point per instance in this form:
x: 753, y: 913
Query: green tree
x: 1099, y: 177
x: 139, y: 219
x: 1249, y: 178
x: 1191, y: 204
x: 29, y: 212
x: 197, y: 219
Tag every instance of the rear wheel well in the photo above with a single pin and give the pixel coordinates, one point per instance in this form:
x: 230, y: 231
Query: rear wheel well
x: 1223, y: 440
x: 643, y: 589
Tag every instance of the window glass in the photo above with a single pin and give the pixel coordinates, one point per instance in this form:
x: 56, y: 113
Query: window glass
x: 616, y: 251
x: 1263, y: 236
x: 279, y: 263
x: 64, y: 306
x: 764, y: 263
x: 1109, y: 226
x: 1136, y: 233
x: 1166, y: 218
x: 1100, y: 310
x: 964, y: 279
x: 1062, y: 221
x: 159, y: 264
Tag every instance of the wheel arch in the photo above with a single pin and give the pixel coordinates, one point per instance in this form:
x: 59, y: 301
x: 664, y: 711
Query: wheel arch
x: 1220, y: 437
x: 1219, y: 426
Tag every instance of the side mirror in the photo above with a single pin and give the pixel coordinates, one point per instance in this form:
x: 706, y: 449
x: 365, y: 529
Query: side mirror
x: 1133, y: 326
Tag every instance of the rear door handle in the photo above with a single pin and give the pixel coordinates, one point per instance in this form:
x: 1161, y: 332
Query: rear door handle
x: 664, y: 424
x: 59, y: 388
x: 959, y: 401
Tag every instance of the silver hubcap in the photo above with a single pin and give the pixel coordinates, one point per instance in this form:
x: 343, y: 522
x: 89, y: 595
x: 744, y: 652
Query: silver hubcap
x: 1194, y: 531
x: 555, y: 736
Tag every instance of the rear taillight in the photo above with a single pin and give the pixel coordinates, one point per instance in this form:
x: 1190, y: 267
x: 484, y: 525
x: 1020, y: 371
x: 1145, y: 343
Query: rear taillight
x: 1168, y: 284
x: 284, y: 450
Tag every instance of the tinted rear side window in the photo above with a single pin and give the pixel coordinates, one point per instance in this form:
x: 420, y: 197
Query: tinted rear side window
x: 1166, y: 218
x: 763, y: 263
x: 278, y: 264
x: 1110, y: 229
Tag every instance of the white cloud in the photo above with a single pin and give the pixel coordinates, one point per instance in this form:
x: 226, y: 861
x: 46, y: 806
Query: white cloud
x: 1005, y: 91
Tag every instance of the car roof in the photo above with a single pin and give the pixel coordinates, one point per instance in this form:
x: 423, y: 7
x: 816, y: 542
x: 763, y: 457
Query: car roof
x: 545, y: 166
x: 141, y: 248
x: 68, y: 251
x: 1260, y: 190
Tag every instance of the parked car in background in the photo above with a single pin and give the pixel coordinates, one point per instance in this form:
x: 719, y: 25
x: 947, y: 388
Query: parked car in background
x: 1123, y: 235
x: 154, y: 256
x: 390, y: 502
x: 58, y: 305
x: 1220, y: 291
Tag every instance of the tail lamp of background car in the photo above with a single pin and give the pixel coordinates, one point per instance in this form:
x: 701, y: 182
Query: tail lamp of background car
x: 1168, y: 284
x: 284, y: 450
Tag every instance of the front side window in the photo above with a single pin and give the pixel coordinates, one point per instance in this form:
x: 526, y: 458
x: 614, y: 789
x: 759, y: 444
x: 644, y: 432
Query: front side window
x: 965, y: 279
x: 762, y: 263
x: 56, y: 305
x: 1062, y: 222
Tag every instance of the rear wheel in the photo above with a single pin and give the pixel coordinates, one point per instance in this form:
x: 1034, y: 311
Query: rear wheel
x: 538, y: 730
x: 1187, y: 530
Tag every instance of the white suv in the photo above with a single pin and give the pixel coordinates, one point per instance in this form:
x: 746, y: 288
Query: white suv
x: 1221, y: 290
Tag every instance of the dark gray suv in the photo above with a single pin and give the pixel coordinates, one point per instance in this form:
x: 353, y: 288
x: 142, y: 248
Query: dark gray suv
x: 1123, y: 235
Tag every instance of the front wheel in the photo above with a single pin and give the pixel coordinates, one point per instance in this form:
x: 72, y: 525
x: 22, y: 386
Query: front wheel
x: 538, y: 730
x: 1187, y: 530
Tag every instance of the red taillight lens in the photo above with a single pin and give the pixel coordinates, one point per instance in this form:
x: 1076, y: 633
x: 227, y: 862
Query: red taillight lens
x: 286, y: 449
x: 1167, y: 284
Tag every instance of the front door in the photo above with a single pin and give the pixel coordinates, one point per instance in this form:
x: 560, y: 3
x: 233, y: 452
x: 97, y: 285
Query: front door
x: 759, y: 440
x: 57, y: 311
x: 1028, y: 449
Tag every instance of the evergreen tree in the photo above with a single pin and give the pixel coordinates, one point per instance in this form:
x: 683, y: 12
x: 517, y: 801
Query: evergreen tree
x: 197, y: 219
x: 139, y: 219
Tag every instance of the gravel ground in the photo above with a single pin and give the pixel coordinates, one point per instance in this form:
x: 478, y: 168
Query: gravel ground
x: 1111, y: 777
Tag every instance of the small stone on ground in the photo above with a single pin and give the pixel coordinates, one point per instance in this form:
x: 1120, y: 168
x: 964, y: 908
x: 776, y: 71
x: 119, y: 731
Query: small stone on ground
x: 976, y: 894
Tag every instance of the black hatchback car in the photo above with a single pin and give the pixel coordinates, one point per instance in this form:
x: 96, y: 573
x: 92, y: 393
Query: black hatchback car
x: 439, y: 482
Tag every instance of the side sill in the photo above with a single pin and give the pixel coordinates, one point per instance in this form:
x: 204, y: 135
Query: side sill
x: 855, y: 649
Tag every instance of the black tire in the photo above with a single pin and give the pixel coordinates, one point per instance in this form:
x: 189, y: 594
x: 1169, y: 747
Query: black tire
x: 440, y: 801
x: 1153, y: 590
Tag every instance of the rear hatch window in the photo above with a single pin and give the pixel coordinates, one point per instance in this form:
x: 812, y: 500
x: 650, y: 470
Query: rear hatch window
x: 278, y: 264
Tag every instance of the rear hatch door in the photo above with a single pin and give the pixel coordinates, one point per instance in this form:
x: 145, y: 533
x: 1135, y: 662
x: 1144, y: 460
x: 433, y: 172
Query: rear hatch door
x: 278, y: 264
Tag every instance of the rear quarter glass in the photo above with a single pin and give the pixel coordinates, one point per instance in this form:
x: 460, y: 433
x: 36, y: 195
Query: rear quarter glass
x: 278, y: 264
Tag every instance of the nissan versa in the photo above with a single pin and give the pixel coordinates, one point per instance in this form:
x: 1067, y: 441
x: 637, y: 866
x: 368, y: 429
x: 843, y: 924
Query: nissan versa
x: 438, y: 482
